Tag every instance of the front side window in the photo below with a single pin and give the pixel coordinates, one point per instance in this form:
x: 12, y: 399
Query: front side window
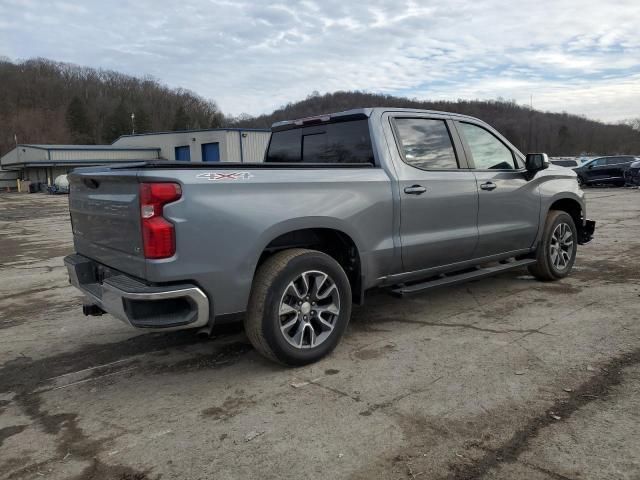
x: 487, y: 151
x: 426, y: 143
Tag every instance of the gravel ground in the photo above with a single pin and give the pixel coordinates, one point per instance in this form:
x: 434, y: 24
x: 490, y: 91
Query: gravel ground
x: 504, y: 378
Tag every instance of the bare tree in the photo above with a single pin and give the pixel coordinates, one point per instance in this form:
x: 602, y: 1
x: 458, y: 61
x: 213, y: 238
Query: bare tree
x: 529, y: 130
x: 42, y: 101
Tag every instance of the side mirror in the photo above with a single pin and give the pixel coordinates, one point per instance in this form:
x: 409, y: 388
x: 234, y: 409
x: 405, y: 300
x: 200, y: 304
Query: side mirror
x: 536, y: 162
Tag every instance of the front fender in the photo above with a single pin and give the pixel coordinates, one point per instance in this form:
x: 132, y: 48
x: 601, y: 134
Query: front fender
x: 555, y: 189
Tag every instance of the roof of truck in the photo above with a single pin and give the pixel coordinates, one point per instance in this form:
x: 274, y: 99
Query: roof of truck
x: 354, y: 114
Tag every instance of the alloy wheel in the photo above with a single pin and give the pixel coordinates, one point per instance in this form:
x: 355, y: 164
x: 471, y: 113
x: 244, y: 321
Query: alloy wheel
x: 561, y: 246
x: 309, y: 309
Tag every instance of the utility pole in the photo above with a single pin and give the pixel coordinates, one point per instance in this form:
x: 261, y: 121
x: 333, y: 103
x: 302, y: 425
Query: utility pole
x: 18, y: 181
x: 133, y: 123
x: 530, y: 146
x: 15, y: 139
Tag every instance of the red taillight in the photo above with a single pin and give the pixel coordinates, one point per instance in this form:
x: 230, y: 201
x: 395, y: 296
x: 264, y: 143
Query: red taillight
x: 158, y: 234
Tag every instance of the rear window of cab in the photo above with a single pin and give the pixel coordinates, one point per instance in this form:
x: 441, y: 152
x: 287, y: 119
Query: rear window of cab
x: 343, y: 142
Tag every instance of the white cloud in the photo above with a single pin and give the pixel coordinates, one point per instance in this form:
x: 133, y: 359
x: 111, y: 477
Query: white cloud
x: 578, y: 56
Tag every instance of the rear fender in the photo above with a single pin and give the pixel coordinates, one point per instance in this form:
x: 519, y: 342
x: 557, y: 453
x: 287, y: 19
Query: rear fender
x: 303, y: 223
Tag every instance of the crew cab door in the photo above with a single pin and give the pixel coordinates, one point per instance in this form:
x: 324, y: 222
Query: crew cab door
x: 438, y: 196
x: 508, y: 204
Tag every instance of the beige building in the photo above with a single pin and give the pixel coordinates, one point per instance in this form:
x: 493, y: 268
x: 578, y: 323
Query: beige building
x: 7, y: 179
x: 41, y: 164
x: 212, y: 145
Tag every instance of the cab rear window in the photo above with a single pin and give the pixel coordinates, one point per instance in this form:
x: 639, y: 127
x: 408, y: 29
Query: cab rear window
x: 343, y: 142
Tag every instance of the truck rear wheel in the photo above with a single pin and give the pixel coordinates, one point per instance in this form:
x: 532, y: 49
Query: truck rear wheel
x: 557, y: 251
x: 299, y: 307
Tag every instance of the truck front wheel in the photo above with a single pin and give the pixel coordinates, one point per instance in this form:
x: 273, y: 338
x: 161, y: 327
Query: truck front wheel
x: 299, y: 307
x: 557, y: 250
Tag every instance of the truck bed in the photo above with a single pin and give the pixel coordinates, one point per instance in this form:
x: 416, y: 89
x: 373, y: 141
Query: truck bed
x: 223, y: 223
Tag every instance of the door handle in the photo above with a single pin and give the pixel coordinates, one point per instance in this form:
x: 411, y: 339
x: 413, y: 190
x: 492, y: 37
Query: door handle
x: 488, y: 186
x: 415, y: 190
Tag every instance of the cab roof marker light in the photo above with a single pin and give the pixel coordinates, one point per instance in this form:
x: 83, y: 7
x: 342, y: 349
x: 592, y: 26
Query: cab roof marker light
x: 309, y: 120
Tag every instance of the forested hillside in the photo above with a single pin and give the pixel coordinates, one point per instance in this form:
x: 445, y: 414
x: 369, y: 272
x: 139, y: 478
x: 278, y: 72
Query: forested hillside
x: 530, y: 130
x: 49, y: 102
x: 42, y: 101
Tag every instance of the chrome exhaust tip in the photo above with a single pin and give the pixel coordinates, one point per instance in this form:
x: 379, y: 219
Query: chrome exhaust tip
x: 205, y: 332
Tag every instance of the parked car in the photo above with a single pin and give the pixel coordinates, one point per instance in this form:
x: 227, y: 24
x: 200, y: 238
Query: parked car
x: 567, y: 163
x: 632, y: 174
x: 406, y: 200
x: 604, y: 170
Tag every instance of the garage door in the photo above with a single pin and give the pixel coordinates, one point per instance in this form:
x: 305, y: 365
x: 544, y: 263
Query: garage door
x: 183, y: 154
x: 210, y: 152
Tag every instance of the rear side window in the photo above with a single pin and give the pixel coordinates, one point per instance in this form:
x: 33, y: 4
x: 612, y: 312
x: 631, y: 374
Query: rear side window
x: 344, y: 142
x: 487, y: 151
x: 618, y: 160
x: 426, y: 143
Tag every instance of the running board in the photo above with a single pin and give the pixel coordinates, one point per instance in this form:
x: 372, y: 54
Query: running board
x: 446, y: 280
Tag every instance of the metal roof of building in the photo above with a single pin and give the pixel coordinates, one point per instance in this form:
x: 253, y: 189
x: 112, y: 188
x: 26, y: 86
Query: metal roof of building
x: 82, y: 147
x: 42, y: 155
x: 69, y: 163
x: 195, y: 130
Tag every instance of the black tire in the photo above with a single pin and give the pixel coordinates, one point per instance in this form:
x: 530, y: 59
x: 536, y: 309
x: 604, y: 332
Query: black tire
x: 581, y: 181
x: 270, y: 286
x: 545, y: 269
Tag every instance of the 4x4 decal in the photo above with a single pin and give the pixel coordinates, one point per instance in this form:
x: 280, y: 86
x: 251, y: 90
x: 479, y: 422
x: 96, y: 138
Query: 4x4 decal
x: 213, y: 176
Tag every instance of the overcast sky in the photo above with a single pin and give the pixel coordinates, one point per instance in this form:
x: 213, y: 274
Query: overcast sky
x: 253, y: 56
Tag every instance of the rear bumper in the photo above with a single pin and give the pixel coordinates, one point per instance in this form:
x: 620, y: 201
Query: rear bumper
x: 142, y: 306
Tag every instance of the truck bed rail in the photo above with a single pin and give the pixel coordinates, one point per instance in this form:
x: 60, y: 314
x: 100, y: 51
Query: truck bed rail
x: 169, y: 164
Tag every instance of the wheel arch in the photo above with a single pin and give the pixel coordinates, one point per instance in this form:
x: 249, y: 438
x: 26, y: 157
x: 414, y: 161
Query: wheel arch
x: 572, y: 207
x: 335, y: 242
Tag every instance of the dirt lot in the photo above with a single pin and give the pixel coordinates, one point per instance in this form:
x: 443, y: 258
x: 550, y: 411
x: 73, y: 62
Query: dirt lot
x: 505, y: 378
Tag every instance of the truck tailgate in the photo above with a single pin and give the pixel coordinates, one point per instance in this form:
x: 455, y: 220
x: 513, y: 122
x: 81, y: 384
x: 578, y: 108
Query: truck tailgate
x: 105, y: 216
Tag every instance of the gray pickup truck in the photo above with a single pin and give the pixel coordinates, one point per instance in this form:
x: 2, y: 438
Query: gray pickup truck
x: 406, y: 200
